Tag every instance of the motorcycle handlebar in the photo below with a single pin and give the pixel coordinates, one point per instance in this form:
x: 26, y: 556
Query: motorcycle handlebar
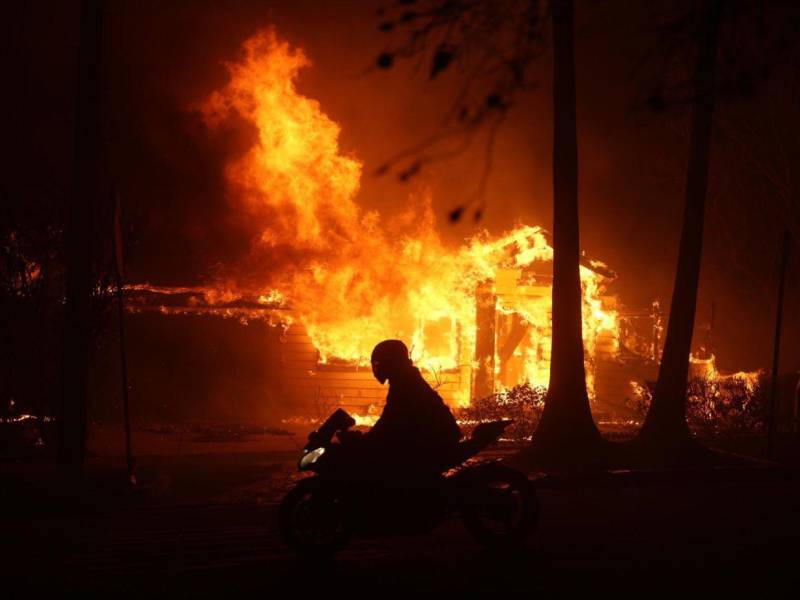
x: 338, y: 421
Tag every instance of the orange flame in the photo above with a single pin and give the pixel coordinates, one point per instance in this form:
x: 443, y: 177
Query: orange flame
x: 354, y: 278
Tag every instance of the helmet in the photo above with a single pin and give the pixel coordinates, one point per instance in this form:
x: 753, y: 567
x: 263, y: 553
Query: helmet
x: 389, y: 357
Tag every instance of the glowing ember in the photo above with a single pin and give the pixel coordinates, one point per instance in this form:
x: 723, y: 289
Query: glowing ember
x: 352, y: 278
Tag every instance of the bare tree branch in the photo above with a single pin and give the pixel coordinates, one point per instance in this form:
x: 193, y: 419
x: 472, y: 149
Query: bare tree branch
x: 492, y: 44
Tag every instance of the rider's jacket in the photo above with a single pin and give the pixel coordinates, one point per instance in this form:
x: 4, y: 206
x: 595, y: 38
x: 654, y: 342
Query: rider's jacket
x: 415, y: 419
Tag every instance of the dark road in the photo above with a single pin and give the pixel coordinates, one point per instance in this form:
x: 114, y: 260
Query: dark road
x: 713, y: 536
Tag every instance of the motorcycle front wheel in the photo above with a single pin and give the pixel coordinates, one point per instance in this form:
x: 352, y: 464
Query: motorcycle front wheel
x: 502, y: 508
x: 313, y: 522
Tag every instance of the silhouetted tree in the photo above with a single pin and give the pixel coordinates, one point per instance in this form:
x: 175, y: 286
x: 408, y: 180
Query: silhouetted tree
x: 567, y: 431
x: 665, y: 433
x: 665, y: 424
x: 79, y: 238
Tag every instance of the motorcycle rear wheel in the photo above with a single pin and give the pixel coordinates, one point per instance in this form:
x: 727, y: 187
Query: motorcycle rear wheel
x: 505, y: 508
x: 312, y: 522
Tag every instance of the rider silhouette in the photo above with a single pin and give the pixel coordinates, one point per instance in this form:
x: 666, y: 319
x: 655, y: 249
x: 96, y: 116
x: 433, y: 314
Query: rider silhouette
x: 415, y: 429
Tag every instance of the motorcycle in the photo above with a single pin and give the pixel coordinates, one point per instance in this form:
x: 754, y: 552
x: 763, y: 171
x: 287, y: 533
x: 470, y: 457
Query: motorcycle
x: 496, y: 504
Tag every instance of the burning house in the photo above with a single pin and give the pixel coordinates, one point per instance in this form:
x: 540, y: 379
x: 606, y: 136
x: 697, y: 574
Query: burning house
x: 334, y: 278
x: 504, y: 341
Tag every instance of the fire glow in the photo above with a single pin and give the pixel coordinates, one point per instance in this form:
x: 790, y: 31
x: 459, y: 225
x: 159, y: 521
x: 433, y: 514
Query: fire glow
x: 352, y: 277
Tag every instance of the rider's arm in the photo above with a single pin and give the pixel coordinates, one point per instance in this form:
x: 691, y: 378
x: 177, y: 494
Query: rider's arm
x: 385, y: 422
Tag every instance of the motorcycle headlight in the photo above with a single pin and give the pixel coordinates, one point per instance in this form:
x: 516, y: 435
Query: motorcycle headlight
x: 309, y: 458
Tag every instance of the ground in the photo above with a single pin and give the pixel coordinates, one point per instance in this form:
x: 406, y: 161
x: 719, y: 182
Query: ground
x: 204, y: 525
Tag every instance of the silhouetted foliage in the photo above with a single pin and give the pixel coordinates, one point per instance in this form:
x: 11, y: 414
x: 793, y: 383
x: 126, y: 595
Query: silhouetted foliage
x: 32, y: 279
x: 523, y: 404
x: 726, y: 407
x: 493, y: 44
x: 385, y: 60
x: 442, y: 59
x: 31, y: 292
x: 456, y: 213
x: 755, y: 36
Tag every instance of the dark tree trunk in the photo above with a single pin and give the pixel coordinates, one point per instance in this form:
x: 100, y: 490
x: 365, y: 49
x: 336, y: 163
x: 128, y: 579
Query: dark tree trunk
x: 78, y: 240
x: 665, y: 426
x: 566, y: 428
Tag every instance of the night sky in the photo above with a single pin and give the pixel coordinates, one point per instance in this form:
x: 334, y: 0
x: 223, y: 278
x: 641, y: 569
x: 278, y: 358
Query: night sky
x: 162, y: 59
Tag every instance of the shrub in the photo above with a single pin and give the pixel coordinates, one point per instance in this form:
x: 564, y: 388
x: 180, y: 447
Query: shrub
x: 731, y: 405
x: 523, y: 404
